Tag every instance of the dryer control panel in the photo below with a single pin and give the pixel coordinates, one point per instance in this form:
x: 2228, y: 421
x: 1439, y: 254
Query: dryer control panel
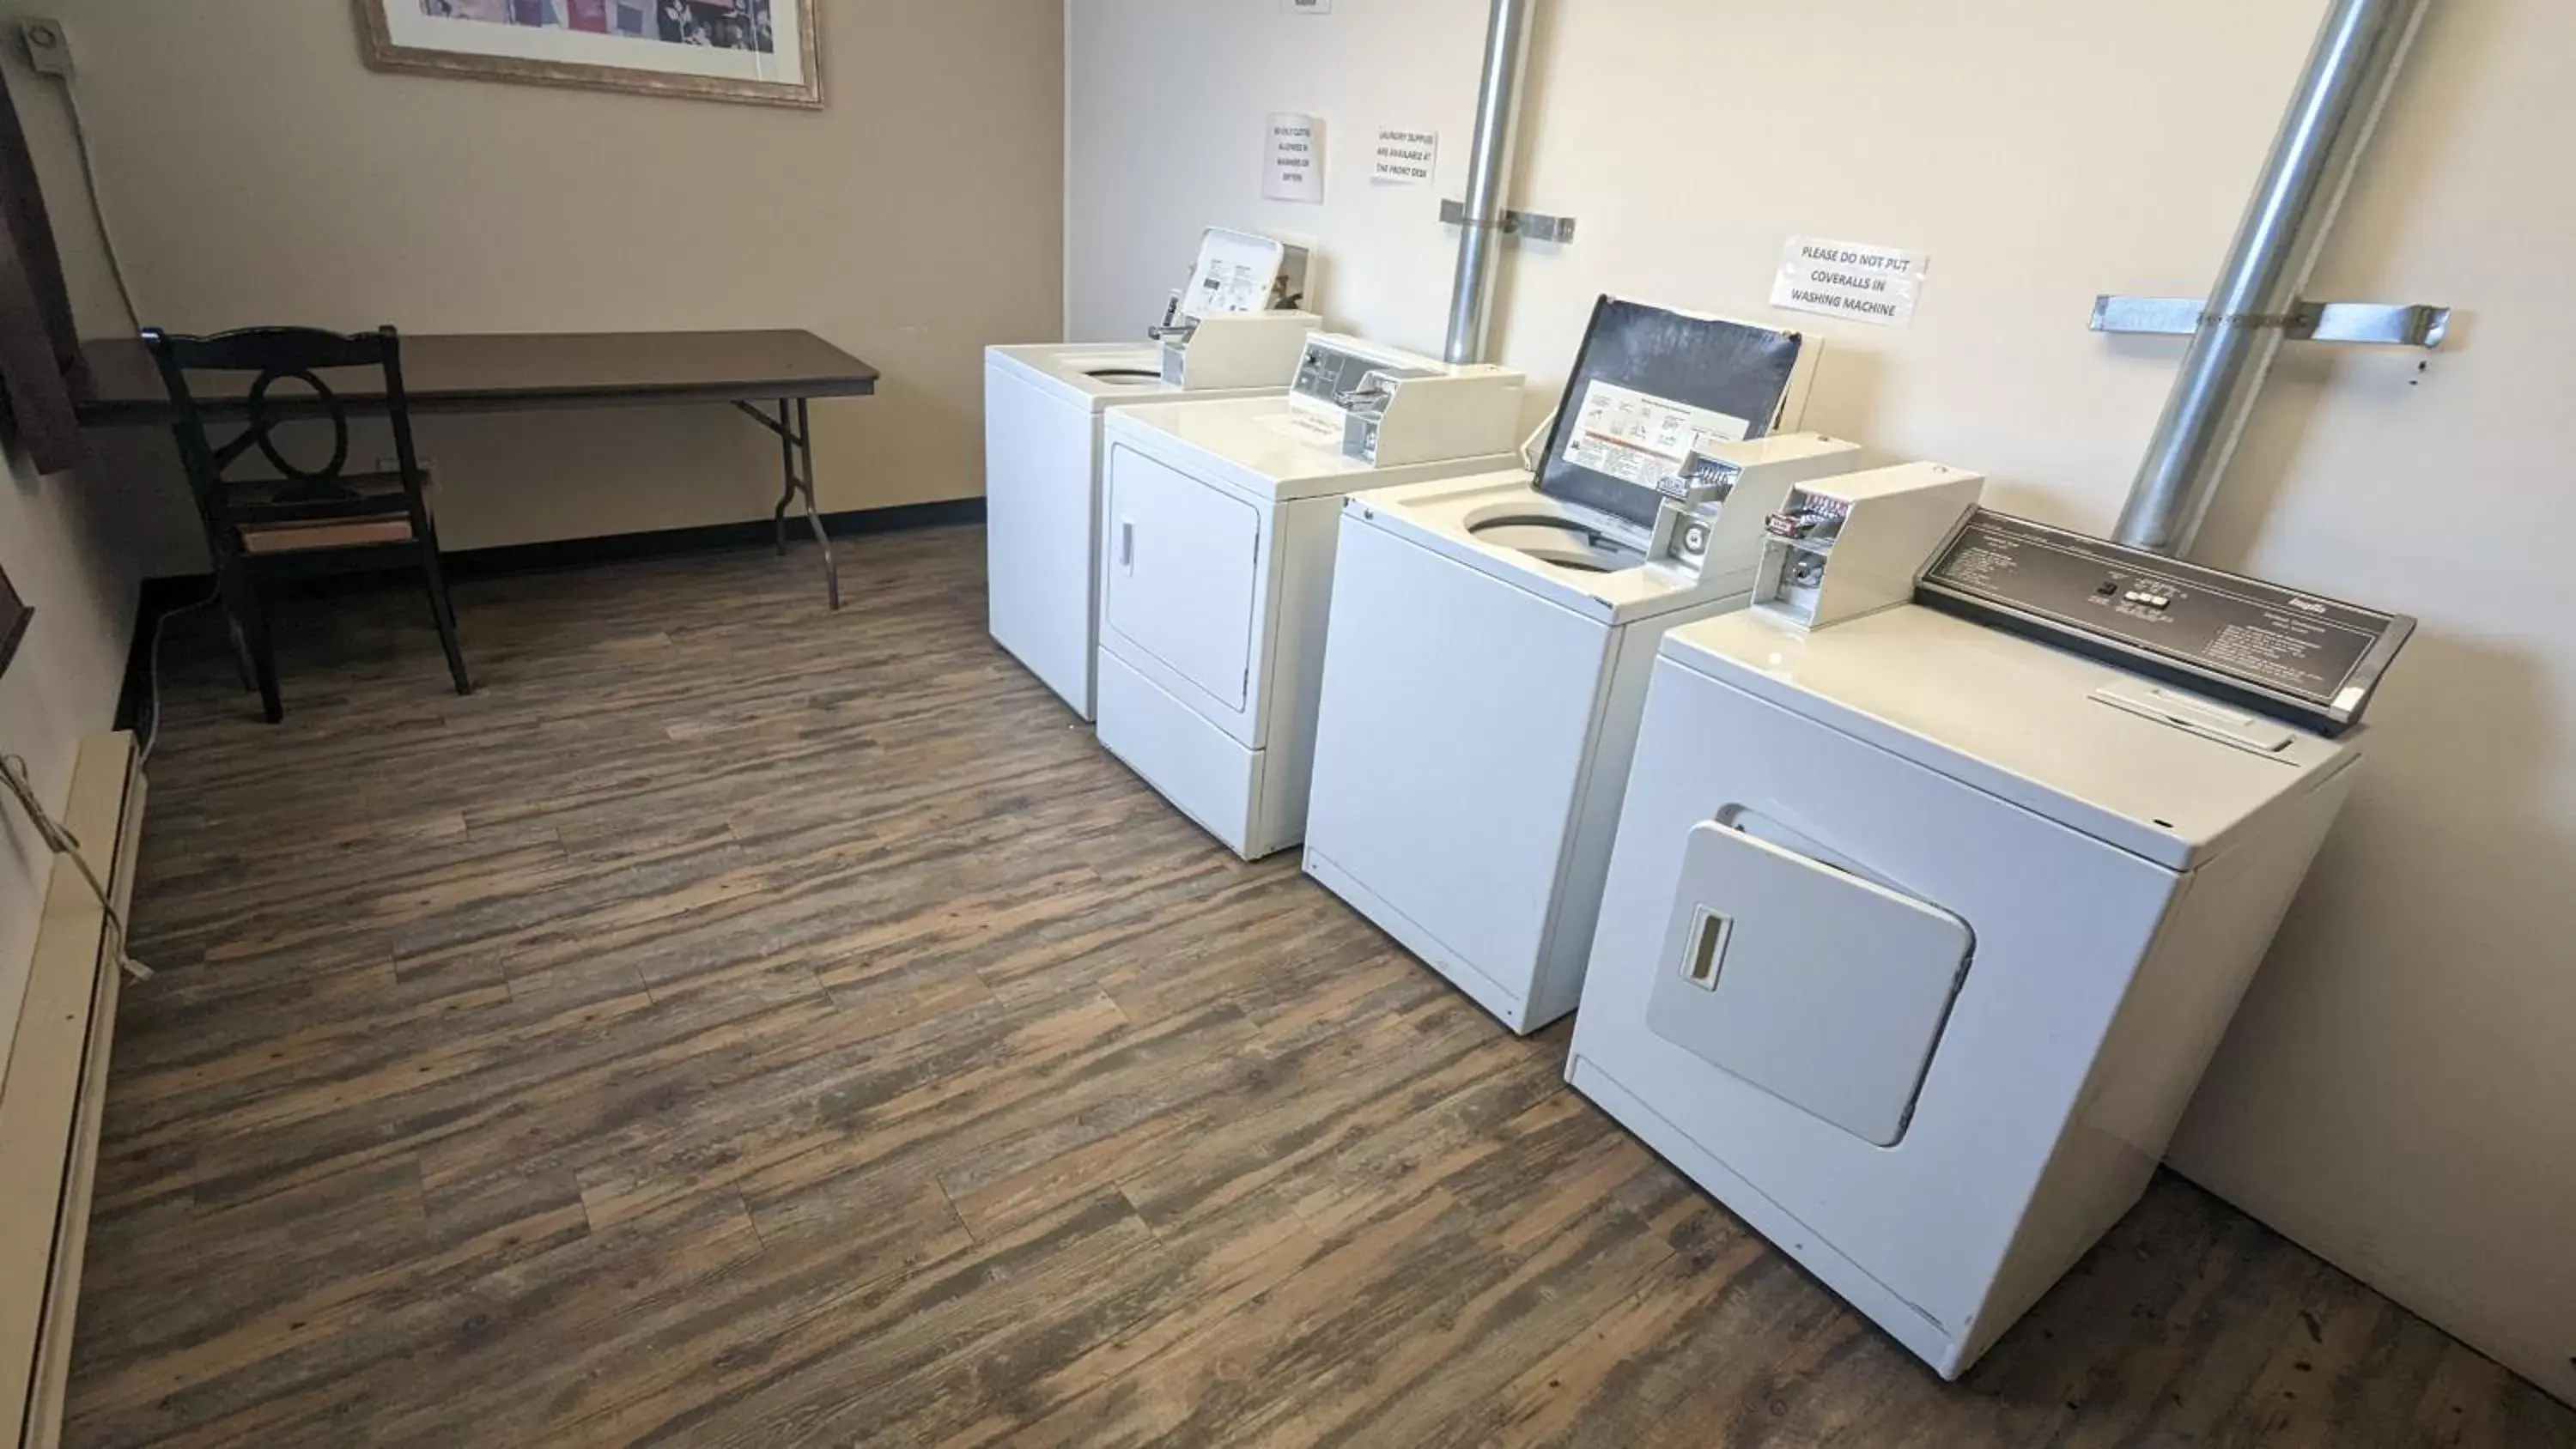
x: 2299, y: 657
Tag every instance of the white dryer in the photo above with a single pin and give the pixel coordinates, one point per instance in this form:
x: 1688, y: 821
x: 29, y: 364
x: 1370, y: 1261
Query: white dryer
x: 1044, y: 406
x: 1491, y: 640
x: 1917, y: 935
x: 1218, y: 565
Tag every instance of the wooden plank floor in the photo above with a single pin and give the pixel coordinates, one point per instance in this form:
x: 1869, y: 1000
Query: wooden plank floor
x: 743, y: 1025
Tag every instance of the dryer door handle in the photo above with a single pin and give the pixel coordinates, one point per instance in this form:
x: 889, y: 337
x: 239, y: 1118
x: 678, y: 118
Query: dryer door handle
x: 1127, y: 544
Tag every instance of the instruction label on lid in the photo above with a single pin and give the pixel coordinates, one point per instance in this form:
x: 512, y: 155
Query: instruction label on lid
x: 1234, y: 274
x: 1873, y: 284
x: 1641, y: 439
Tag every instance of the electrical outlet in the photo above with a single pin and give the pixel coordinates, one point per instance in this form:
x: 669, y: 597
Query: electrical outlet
x: 49, y: 47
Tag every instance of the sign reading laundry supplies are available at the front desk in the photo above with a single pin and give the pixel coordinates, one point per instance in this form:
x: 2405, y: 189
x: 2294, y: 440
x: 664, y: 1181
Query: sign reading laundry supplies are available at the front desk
x: 1873, y: 284
x: 1406, y: 158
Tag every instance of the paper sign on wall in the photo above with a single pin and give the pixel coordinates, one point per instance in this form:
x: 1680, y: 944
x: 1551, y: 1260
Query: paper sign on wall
x: 1293, y: 166
x: 1406, y: 158
x: 1877, y: 285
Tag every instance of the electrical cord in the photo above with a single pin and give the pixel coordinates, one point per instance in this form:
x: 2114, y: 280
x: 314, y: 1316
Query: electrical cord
x: 152, y: 672
x: 125, y: 292
x: 98, y: 204
x: 59, y: 839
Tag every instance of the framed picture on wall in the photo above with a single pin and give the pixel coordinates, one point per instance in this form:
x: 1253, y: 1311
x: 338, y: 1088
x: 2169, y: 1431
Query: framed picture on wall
x: 765, y: 51
x: 13, y: 621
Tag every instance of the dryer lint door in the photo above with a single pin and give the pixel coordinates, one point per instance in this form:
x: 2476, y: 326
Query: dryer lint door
x: 1822, y: 988
x: 1181, y: 583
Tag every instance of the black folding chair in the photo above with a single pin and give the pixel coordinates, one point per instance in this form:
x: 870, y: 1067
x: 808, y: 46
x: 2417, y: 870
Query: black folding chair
x: 300, y: 514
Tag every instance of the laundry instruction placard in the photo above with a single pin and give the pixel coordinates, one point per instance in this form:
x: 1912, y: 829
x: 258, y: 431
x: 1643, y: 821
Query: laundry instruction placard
x: 1293, y: 163
x: 1639, y: 438
x: 1406, y: 158
x: 1873, y: 284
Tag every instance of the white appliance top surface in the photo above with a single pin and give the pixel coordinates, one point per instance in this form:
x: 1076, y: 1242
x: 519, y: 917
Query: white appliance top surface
x: 1261, y: 442
x: 2014, y: 718
x: 1067, y: 368
x: 1442, y: 515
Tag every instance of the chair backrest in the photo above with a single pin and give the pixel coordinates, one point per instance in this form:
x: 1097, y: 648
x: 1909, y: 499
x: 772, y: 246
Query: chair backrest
x: 271, y: 355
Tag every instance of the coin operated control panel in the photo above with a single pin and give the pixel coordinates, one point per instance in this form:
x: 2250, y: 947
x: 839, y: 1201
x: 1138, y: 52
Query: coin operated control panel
x: 2300, y: 658
x: 1240, y: 322
x: 1849, y: 546
x: 1716, y: 505
x: 1390, y: 408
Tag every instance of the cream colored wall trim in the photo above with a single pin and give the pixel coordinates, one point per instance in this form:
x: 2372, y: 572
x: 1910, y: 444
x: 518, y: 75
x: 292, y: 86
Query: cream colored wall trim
x: 56, y: 1086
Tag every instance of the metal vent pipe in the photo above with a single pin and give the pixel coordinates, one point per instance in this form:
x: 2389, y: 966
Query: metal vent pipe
x: 1489, y: 174
x: 2350, y: 72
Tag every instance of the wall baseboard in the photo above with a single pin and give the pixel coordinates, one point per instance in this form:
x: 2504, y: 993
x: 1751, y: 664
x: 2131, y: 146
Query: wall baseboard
x: 163, y: 596
x: 572, y: 553
x: 55, y: 1091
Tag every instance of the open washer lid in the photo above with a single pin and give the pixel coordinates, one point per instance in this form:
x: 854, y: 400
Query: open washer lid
x: 1649, y: 384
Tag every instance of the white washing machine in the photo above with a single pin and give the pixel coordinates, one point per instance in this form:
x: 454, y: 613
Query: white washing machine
x: 1044, y: 406
x: 1218, y: 565
x: 1491, y: 639
x: 1917, y: 935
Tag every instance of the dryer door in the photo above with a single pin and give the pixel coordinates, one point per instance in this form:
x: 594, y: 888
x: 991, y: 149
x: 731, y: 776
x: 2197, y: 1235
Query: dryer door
x: 1183, y: 578
x: 1824, y: 989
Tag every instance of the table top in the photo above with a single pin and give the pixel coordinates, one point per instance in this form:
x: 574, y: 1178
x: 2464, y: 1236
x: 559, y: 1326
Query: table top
x: 504, y: 371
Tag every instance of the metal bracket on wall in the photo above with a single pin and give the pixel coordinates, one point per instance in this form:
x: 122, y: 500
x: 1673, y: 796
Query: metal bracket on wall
x: 1527, y: 225
x: 2374, y: 324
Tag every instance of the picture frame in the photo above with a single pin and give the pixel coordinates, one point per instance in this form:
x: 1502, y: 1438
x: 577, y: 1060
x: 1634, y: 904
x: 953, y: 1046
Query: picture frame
x: 41, y: 371
x: 14, y: 615
x: 766, y: 52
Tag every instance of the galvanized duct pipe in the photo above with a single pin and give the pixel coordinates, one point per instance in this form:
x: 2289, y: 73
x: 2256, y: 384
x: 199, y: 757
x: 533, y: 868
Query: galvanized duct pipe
x: 1489, y: 170
x: 2350, y: 72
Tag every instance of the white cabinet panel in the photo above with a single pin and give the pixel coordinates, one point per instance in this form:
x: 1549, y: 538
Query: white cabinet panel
x: 1455, y: 716
x: 1042, y: 532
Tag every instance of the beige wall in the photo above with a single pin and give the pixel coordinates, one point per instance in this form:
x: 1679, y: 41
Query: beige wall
x: 57, y: 544
x: 255, y: 171
x: 2400, y: 1091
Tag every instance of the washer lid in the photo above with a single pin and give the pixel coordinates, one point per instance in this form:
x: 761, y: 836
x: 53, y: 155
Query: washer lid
x: 1097, y: 375
x: 2078, y: 742
x: 1648, y: 385
x: 1470, y: 519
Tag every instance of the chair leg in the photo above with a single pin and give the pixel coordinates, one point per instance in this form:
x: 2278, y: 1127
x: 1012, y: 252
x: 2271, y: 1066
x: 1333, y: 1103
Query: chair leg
x: 241, y: 650
x: 443, y: 611
x: 250, y: 619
